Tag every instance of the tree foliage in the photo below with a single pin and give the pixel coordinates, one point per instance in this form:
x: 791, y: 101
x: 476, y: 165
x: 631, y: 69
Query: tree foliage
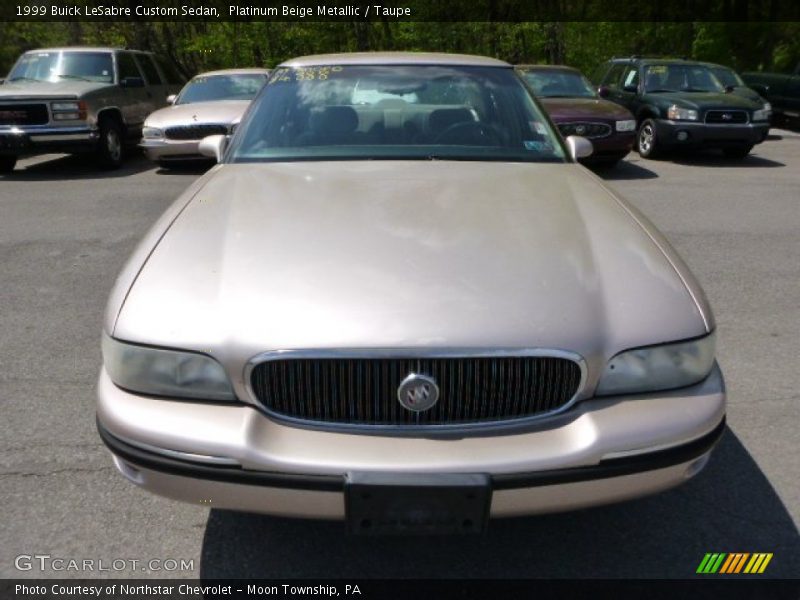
x: 198, y: 46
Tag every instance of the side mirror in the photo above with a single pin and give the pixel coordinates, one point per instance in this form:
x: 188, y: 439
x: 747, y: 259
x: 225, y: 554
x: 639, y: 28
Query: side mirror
x: 213, y: 146
x: 171, y: 98
x: 631, y: 88
x: 579, y: 147
x: 132, y: 82
x: 603, y: 91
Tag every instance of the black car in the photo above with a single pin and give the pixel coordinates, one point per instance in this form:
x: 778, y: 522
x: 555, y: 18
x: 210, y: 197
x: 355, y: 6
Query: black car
x: 681, y: 104
x: 782, y: 90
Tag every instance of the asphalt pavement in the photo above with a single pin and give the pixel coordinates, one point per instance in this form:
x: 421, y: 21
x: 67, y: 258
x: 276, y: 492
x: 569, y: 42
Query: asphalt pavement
x: 65, y: 231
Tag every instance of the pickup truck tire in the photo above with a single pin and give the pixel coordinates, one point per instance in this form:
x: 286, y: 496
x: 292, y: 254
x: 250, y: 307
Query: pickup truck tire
x: 7, y: 163
x: 109, y: 149
x: 646, y: 140
x: 737, y: 152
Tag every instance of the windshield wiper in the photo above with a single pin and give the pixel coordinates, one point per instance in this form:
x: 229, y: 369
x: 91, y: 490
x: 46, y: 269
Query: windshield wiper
x: 74, y: 77
x: 660, y: 91
x: 24, y: 79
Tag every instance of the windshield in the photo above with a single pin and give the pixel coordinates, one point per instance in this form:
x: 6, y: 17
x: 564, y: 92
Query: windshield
x: 559, y: 84
x: 208, y: 88
x: 395, y: 112
x: 680, y: 78
x: 727, y: 77
x: 58, y: 66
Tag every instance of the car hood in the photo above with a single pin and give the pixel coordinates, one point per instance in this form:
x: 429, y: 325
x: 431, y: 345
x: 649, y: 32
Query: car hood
x: 69, y: 88
x: 746, y: 92
x: 705, y: 100
x: 567, y: 109
x: 405, y: 254
x: 222, y: 111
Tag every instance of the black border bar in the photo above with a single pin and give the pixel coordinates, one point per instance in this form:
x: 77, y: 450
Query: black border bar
x: 383, y: 11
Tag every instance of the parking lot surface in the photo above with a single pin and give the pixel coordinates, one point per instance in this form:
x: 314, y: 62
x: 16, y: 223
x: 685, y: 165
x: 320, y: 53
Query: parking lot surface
x: 65, y: 231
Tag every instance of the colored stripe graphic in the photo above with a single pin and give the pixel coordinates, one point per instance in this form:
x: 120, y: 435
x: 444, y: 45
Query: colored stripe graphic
x: 734, y: 562
x: 711, y: 562
x: 758, y: 563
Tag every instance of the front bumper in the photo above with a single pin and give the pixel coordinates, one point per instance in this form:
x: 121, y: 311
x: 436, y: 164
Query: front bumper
x: 616, y: 145
x: 163, y: 149
x: 27, y: 140
x: 233, y: 457
x: 670, y: 133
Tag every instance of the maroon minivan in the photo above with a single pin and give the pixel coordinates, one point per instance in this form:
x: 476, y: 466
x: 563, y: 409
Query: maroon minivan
x: 576, y: 109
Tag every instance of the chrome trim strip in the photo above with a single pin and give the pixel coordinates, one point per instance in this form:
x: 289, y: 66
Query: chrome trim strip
x: 187, y: 456
x: 35, y: 130
x: 410, y: 353
x: 73, y: 137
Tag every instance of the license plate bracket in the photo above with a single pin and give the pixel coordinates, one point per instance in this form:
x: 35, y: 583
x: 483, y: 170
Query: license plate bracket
x: 12, y: 141
x: 407, y: 503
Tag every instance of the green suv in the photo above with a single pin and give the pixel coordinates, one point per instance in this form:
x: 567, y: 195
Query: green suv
x: 681, y: 104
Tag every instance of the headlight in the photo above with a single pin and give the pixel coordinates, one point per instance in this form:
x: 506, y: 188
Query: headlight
x: 660, y: 367
x: 764, y: 114
x: 68, y: 111
x: 165, y: 372
x: 626, y: 125
x: 152, y: 133
x: 73, y: 106
x: 676, y: 113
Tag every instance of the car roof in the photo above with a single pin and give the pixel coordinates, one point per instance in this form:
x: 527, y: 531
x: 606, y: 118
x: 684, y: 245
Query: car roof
x: 715, y: 65
x: 394, y: 58
x: 656, y: 60
x: 547, y: 68
x: 248, y: 71
x: 87, y: 49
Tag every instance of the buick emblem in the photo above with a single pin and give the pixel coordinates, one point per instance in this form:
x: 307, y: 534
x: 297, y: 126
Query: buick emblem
x: 418, y: 393
x: 727, y: 116
x: 580, y: 130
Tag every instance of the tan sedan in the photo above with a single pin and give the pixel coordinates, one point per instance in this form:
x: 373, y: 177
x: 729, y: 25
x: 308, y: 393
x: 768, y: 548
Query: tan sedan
x: 211, y: 103
x: 399, y: 301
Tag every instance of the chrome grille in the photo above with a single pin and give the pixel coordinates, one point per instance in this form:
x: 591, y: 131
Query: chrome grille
x: 363, y: 391
x: 588, y: 129
x: 194, y: 132
x: 726, y: 117
x: 23, y: 114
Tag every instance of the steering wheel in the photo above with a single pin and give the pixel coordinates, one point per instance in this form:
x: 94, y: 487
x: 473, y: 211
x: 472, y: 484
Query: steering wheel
x: 467, y: 129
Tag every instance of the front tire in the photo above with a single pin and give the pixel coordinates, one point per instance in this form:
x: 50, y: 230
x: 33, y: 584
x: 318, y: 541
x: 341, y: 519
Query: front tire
x: 109, y: 151
x: 647, y: 140
x: 7, y: 163
x: 737, y: 152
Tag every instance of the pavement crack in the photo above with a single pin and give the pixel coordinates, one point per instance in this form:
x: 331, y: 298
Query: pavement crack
x: 10, y: 474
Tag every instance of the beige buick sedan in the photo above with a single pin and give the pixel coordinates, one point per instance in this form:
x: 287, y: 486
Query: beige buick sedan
x: 211, y: 103
x: 399, y: 301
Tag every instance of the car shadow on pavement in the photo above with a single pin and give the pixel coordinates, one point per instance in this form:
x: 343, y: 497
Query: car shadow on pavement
x: 78, y: 166
x: 189, y: 167
x: 710, y: 159
x: 730, y: 507
x: 624, y: 170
